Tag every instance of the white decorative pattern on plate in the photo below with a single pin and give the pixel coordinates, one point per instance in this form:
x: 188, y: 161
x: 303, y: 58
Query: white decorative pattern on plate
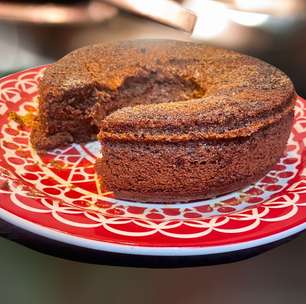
x: 62, y: 184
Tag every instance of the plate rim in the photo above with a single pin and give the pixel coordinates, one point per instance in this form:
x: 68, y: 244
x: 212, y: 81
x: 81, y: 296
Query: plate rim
x: 67, y: 238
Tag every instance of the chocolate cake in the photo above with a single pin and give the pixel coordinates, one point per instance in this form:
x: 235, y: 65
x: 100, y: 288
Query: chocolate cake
x: 178, y: 121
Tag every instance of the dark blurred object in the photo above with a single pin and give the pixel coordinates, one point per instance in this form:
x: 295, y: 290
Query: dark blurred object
x: 46, y: 1
x: 56, y: 12
x: 36, y: 32
x: 25, y: 44
x: 61, y: 12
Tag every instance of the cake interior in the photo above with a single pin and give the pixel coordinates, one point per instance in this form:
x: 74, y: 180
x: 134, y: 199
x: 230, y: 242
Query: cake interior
x: 146, y: 88
x: 77, y: 117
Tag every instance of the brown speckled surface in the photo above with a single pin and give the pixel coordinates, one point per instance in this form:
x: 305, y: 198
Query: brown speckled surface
x: 170, y: 92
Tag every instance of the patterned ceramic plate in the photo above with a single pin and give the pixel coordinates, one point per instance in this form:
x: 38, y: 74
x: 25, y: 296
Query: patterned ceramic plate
x: 56, y: 195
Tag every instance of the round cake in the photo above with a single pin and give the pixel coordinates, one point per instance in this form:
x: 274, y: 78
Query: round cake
x: 178, y: 121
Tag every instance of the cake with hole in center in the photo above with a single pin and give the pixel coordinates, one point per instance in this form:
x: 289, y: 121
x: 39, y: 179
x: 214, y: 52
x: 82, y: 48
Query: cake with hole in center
x: 178, y: 121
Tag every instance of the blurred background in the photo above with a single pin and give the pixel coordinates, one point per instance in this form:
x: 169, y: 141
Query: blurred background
x: 275, y: 277
x: 38, y: 32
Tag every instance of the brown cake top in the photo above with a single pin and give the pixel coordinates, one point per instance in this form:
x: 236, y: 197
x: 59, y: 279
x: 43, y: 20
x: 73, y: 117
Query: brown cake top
x: 205, y: 118
x: 240, y: 94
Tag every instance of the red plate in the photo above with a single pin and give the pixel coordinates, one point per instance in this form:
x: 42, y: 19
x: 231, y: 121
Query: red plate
x: 55, y: 195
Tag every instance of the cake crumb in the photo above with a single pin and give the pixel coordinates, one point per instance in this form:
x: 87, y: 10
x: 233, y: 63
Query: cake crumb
x: 22, y: 120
